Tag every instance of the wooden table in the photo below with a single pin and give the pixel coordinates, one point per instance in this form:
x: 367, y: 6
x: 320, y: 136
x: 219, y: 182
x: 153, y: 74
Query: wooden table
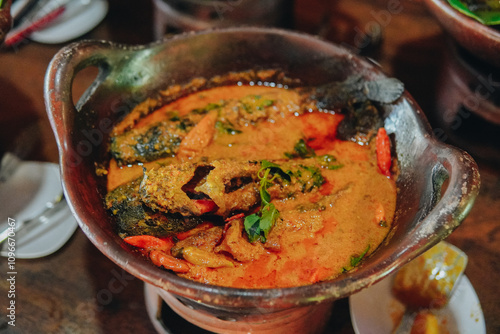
x: 65, y: 292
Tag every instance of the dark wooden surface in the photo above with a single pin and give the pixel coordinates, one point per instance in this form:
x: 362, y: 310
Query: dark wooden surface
x: 68, y: 291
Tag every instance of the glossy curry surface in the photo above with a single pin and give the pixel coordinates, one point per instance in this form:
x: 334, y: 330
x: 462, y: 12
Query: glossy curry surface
x: 193, y: 173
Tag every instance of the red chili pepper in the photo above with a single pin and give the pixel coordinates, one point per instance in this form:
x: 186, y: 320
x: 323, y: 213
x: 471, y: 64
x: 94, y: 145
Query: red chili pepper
x: 383, y: 148
x: 149, y: 242
x: 205, y: 205
x: 239, y: 215
x: 162, y: 259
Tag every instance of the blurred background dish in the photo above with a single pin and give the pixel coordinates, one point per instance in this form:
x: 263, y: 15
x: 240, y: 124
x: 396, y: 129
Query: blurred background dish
x: 375, y: 310
x: 82, y: 17
x: 481, y: 40
x: 467, y: 108
x: 186, y: 15
x: 5, y: 18
x: 23, y: 196
x: 54, y: 21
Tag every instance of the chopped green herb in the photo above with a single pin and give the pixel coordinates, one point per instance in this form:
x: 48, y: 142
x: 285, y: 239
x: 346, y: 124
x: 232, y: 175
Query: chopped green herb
x: 252, y: 103
x: 226, y: 127
x: 258, y: 225
x: 182, y: 125
x: 275, y: 169
x: 209, y: 107
x: 265, y: 103
x: 328, y: 161
x: 301, y: 150
x: 173, y: 116
x: 309, y: 177
x: 355, y: 260
x: 153, y: 144
x: 315, y: 176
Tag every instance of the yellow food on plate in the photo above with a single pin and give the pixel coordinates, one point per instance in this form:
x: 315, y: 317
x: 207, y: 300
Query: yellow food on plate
x: 425, y: 323
x: 429, y: 280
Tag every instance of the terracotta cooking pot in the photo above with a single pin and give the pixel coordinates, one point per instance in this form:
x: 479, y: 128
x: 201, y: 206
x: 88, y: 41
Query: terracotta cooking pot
x: 427, y: 211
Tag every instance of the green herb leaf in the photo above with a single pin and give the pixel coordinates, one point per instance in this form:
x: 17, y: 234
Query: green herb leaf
x: 252, y: 227
x: 309, y: 177
x: 264, y: 194
x: 253, y: 103
x: 227, y: 127
x: 355, y: 260
x: 275, y: 169
x: 301, y: 150
x: 485, y: 12
x: 208, y: 107
x: 328, y: 161
x: 268, y: 164
x: 258, y: 225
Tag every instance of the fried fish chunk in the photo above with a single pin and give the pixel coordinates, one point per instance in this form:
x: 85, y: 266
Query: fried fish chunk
x: 230, y: 185
x: 135, y: 218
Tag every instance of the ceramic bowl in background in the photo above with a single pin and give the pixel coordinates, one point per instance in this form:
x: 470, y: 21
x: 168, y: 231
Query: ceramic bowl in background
x: 480, y: 40
x: 193, y: 15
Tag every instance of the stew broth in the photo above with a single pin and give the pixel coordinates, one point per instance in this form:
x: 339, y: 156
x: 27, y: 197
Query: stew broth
x: 249, y: 186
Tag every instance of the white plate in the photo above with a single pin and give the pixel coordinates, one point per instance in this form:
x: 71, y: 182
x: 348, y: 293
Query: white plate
x: 81, y: 17
x: 24, y: 195
x: 374, y: 310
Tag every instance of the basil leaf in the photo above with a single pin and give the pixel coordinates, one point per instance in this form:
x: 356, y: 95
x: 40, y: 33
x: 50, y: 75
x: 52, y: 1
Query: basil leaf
x: 258, y: 225
x: 269, y: 216
x: 265, y: 196
x: 252, y: 227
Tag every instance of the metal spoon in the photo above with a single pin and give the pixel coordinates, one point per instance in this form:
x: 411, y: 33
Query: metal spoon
x: 19, y: 228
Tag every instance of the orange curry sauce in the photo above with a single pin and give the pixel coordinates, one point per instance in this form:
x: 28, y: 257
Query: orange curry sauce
x: 320, y: 233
